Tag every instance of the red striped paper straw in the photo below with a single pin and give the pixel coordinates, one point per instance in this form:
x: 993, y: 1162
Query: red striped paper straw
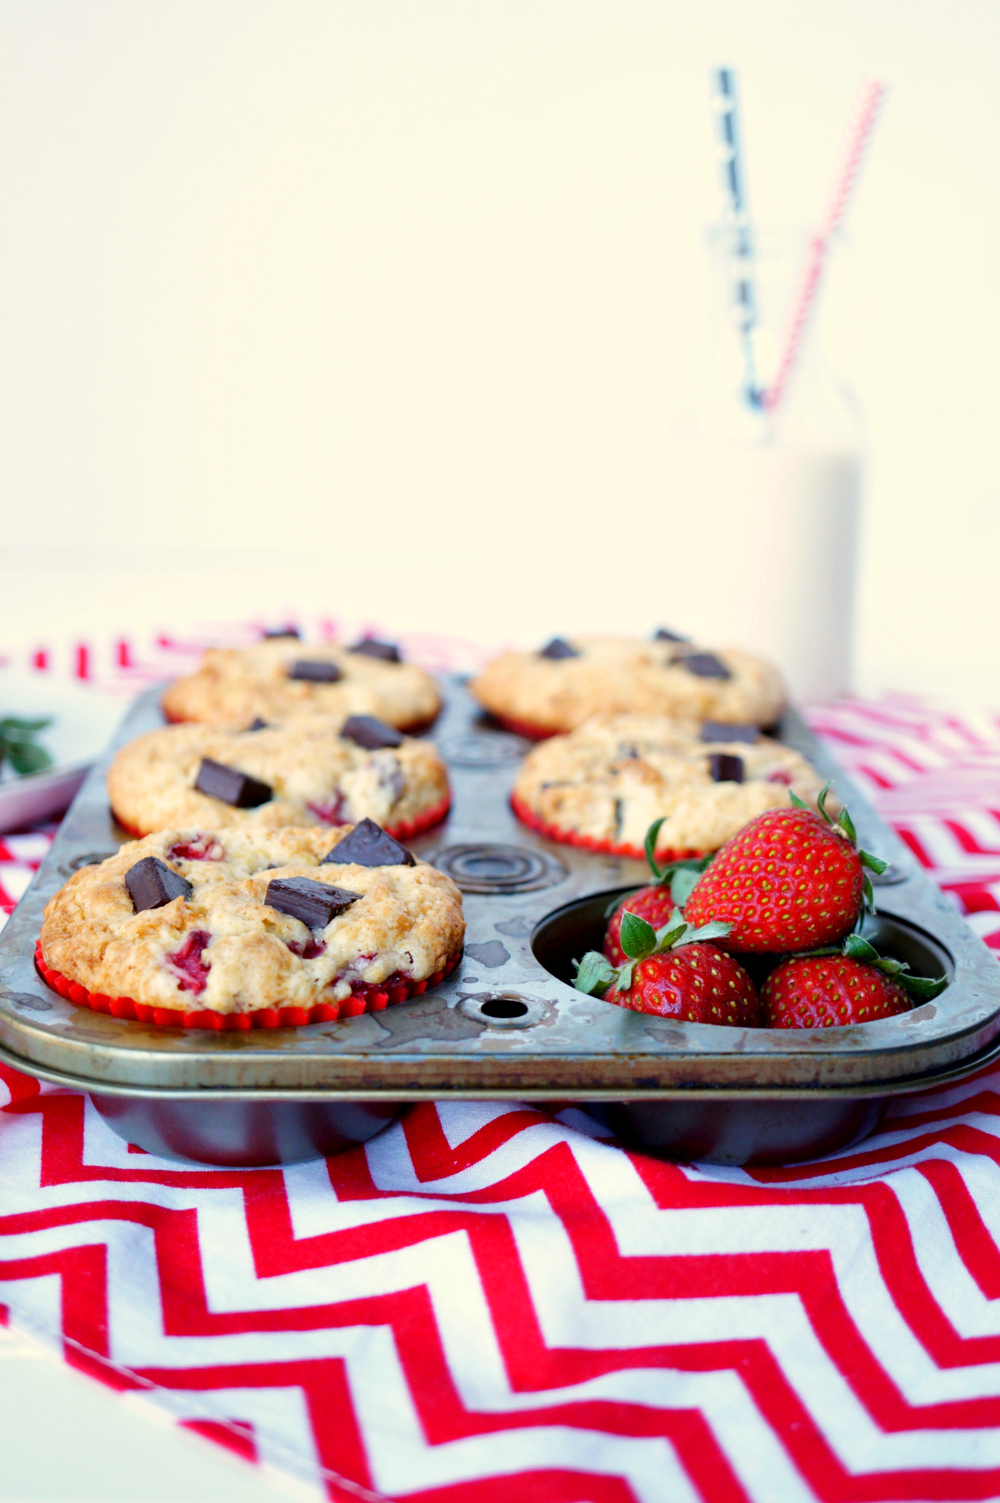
x: 871, y: 98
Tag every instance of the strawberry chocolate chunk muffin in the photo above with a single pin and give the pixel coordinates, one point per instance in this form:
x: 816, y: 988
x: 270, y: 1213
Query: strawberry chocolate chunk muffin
x: 603, y: 786
x: 282, y: 676
x: 310, y: 770
x: 251, y: 927
x: 563, y: 684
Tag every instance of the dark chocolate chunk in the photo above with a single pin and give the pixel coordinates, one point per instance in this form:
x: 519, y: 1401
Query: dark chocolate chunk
x: 259, y: 725
x: 387, y: 651
x: 725, y: 768
x: 230, y: 786
x: 705, y: 665
x: 370, y: 732
x: 557, y: 649
x: 282, y: 631
x: 151, y: 884
x: 368, y: 845
x: 312, y: 902
x: 316, y: 671
x: 662, y: 635
x: 718, y: 730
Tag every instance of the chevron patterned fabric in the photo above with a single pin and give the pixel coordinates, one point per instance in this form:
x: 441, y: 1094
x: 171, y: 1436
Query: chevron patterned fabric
x: 488, y: 1301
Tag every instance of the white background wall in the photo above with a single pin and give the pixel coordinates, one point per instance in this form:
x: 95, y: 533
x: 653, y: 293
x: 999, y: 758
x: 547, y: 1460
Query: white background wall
x: 387, y: 305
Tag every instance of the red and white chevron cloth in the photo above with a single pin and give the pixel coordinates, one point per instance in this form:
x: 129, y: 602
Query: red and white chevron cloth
x: 489, y: 1302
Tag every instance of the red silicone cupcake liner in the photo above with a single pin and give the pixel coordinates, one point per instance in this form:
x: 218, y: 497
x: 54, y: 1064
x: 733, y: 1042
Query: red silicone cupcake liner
x: 590, y: 842
x: 262, y: 1017
x: 407, y: 829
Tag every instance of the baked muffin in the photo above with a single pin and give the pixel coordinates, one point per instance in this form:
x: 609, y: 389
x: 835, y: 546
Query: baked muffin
x: 250, y: 927
x: 310, y: 770
x: 566, y: 682
x: 282, y: 677
x: 603, y: 785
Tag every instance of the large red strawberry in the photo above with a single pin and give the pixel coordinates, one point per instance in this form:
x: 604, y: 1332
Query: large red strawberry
x: 790, y: 880
x: 673, y: 973
x: 853, y: 985
x: 670, y: 890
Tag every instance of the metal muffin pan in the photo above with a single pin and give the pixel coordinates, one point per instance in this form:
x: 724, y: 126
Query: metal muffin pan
x: 506, y: 1023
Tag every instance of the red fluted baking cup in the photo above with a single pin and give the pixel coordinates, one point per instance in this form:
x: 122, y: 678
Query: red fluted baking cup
x: 590, y: 842
x: 407, y: 829
x: 372, y: 1000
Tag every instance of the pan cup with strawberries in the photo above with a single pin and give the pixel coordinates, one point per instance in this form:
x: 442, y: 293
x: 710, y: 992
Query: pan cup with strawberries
x: 784, y: 895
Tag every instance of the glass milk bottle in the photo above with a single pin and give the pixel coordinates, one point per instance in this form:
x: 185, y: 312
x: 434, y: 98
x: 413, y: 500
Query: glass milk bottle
x: 769, y: 500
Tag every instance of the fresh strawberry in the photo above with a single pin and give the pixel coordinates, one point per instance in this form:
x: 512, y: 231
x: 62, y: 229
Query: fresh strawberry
x: 853, y: 985
x: 674, y: 973
x: 790, y: 880
x: 657, y: 902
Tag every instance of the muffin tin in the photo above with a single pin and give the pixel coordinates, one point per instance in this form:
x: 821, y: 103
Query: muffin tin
x: 506, y: 1023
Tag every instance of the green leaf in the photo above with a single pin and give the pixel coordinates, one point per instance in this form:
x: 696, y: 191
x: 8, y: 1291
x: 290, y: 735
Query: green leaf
x: 846, y: 823
x: 796, y: 801
x: 859, y: 949
x: 682, y: 885
x: 625, y: 976
x: 25, y: 757
x: 922, y: 988
x: 869, y: 894
x: 651, y: 835
x: 12, y: 726
x: 821, y: 801
x: 714, y: 929
x: 638, y: 939
x: 873, y: 863
x: 594, y: 974
x: 668, y: 936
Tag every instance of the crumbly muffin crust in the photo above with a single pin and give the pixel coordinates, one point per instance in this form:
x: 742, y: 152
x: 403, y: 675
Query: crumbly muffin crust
x: 625, y: 675
x: 608, y: 781
x: 408, y: 922
x: 236, y: 686
x: 318, y: 778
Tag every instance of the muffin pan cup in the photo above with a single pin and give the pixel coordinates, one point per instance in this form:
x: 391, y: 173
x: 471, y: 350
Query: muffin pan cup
x: 506, y: 1024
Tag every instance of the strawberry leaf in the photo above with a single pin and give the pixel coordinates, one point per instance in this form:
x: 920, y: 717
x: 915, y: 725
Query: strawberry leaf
x: 665, y: 873
x: 594, y: 974
x: 874, y: 863
x: 682, y: 885
x: 624, y: 980
x: 668, y: 936
x: 638, y: 938
x: 25, y: 756
x: 846, y: 823
x: 13, y: 729
x: 821, y: 801
x: 922, y: 988
x: 714, y: 929
x: 18, y: 747
x: 797, y: 802
x: 650, y: 847
x: 859, y: 949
